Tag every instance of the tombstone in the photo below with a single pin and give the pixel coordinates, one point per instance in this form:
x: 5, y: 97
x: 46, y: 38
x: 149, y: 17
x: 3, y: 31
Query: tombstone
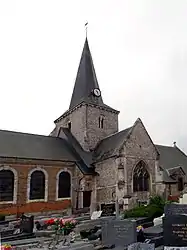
x: 175, y: 208
x: 175, y: 231
x: 141, y: 246
x: 118, y: 232
x: 96, y: 215
x: 108, y: 209
x: 27, y: 224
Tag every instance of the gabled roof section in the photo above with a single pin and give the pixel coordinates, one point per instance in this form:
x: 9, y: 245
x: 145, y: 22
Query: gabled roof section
x: 35, y: 147
x: 171, y: 158
x: 110, y: 145
x: 85, y: 158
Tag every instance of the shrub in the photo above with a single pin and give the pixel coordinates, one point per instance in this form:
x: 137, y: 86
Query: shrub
x: 153, y: 210
x: 157, y: 201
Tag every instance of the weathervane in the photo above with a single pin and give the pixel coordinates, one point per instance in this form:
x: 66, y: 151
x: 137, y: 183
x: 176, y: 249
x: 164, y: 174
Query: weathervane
x: 86, y: 25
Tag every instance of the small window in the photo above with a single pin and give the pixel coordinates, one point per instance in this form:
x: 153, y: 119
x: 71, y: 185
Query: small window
x: 101, y: 122
x: 180, y: 184
x: 69, y: 125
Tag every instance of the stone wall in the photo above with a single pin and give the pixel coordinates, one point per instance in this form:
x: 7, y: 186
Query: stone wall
x: 140, y: 147
x: 85, y: 124
x: 94, y: 132
x: 106, y: 181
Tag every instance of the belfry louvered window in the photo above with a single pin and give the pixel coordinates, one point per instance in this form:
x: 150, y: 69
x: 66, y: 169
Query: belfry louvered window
x: 141, y: 178
x: 101, y: 122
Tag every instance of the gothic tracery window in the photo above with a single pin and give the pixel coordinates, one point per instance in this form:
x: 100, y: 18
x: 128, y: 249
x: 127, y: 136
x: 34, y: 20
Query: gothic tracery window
x: 64, y: 185
x: 37, y: 185
x: 141, y: 178
x: 6, y: 185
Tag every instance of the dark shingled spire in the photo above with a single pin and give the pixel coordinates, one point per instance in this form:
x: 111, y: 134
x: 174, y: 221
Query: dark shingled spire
x: 86, y: 81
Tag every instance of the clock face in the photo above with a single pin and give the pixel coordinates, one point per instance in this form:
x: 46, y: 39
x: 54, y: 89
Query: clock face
x: 97, y: 92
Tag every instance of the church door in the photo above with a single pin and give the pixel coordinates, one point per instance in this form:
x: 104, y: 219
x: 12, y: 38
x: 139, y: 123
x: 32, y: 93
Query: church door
x: 87, y: 198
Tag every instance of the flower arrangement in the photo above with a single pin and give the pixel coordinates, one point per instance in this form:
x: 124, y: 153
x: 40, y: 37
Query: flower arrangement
x: 7, y: 247
x: 139, y: 228
x: 61, y: 225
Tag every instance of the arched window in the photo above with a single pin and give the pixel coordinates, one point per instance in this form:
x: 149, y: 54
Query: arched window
x: 140, y: 178
x: 64, y: 185
x: 37, y: 185
x: 6, y: 185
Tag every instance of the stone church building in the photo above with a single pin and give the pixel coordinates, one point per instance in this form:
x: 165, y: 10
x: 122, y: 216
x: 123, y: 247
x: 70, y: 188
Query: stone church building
x: 85, y: 161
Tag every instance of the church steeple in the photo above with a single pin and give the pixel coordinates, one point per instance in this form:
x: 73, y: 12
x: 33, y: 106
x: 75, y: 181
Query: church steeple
x: 88, y: 118
x: 86, y: 88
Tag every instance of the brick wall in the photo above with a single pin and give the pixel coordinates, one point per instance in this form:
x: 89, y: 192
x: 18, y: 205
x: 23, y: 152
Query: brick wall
x: 22, y: 205
x: 35, y: 207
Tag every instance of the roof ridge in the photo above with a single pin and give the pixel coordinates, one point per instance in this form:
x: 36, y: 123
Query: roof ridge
x: 24, y: 133
x: 164, y: 146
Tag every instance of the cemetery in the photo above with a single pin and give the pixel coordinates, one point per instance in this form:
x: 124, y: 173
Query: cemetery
x: 158, y: 225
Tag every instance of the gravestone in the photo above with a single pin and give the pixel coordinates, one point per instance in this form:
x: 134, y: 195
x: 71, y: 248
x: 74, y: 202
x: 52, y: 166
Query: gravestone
x: 27, y: 224
x: 175, y: 208
x: 108, y: 209
x: 141, y: 246
x: 96, y: 215
x: 118, y: 232
x: 175, y: 231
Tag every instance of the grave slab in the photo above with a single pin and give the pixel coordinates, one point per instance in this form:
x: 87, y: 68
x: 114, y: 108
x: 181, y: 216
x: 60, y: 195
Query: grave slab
x: 141, y: 246
x: 118, y: 232
x: 175, y: 231
x: 175, y: 208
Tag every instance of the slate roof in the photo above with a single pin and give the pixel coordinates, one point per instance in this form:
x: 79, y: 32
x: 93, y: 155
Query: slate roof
x: 86, y: 82
x: 40, y: 147
x: 30, y: 146
x: 109, y: 146
x: 171, y: 157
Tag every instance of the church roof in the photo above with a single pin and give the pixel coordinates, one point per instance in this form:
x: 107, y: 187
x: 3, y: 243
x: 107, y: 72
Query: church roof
x: 110, y: 145
x: 40, y: 147
x: 86, y: 80
x: 171, y: 157
x: 30, y: 146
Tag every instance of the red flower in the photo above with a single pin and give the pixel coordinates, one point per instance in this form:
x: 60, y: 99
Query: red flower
x: 50, y: 222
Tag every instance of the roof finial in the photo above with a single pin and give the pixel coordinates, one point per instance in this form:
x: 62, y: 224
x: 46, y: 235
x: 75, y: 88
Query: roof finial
x: 86, y: 25
x: 174, y: 144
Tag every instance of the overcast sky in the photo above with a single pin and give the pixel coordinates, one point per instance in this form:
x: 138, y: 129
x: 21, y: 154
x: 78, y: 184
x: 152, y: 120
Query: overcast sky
x: 139, y: 48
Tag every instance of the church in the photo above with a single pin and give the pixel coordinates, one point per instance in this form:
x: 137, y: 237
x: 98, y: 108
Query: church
x: 86, y: 161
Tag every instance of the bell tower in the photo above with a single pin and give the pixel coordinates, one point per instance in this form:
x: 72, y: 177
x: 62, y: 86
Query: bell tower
x: 88, y: 118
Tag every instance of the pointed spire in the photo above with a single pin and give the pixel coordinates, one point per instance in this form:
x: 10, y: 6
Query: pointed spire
x: 86, y: 81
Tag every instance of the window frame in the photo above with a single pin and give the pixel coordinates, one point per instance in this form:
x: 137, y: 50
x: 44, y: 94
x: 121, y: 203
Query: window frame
x: 45, y: 188
x: 57, y: 185
x: 15, y: 187
x: 139, y: 173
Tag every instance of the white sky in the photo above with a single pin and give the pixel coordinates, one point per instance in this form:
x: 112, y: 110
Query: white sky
x: 139, y: 48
